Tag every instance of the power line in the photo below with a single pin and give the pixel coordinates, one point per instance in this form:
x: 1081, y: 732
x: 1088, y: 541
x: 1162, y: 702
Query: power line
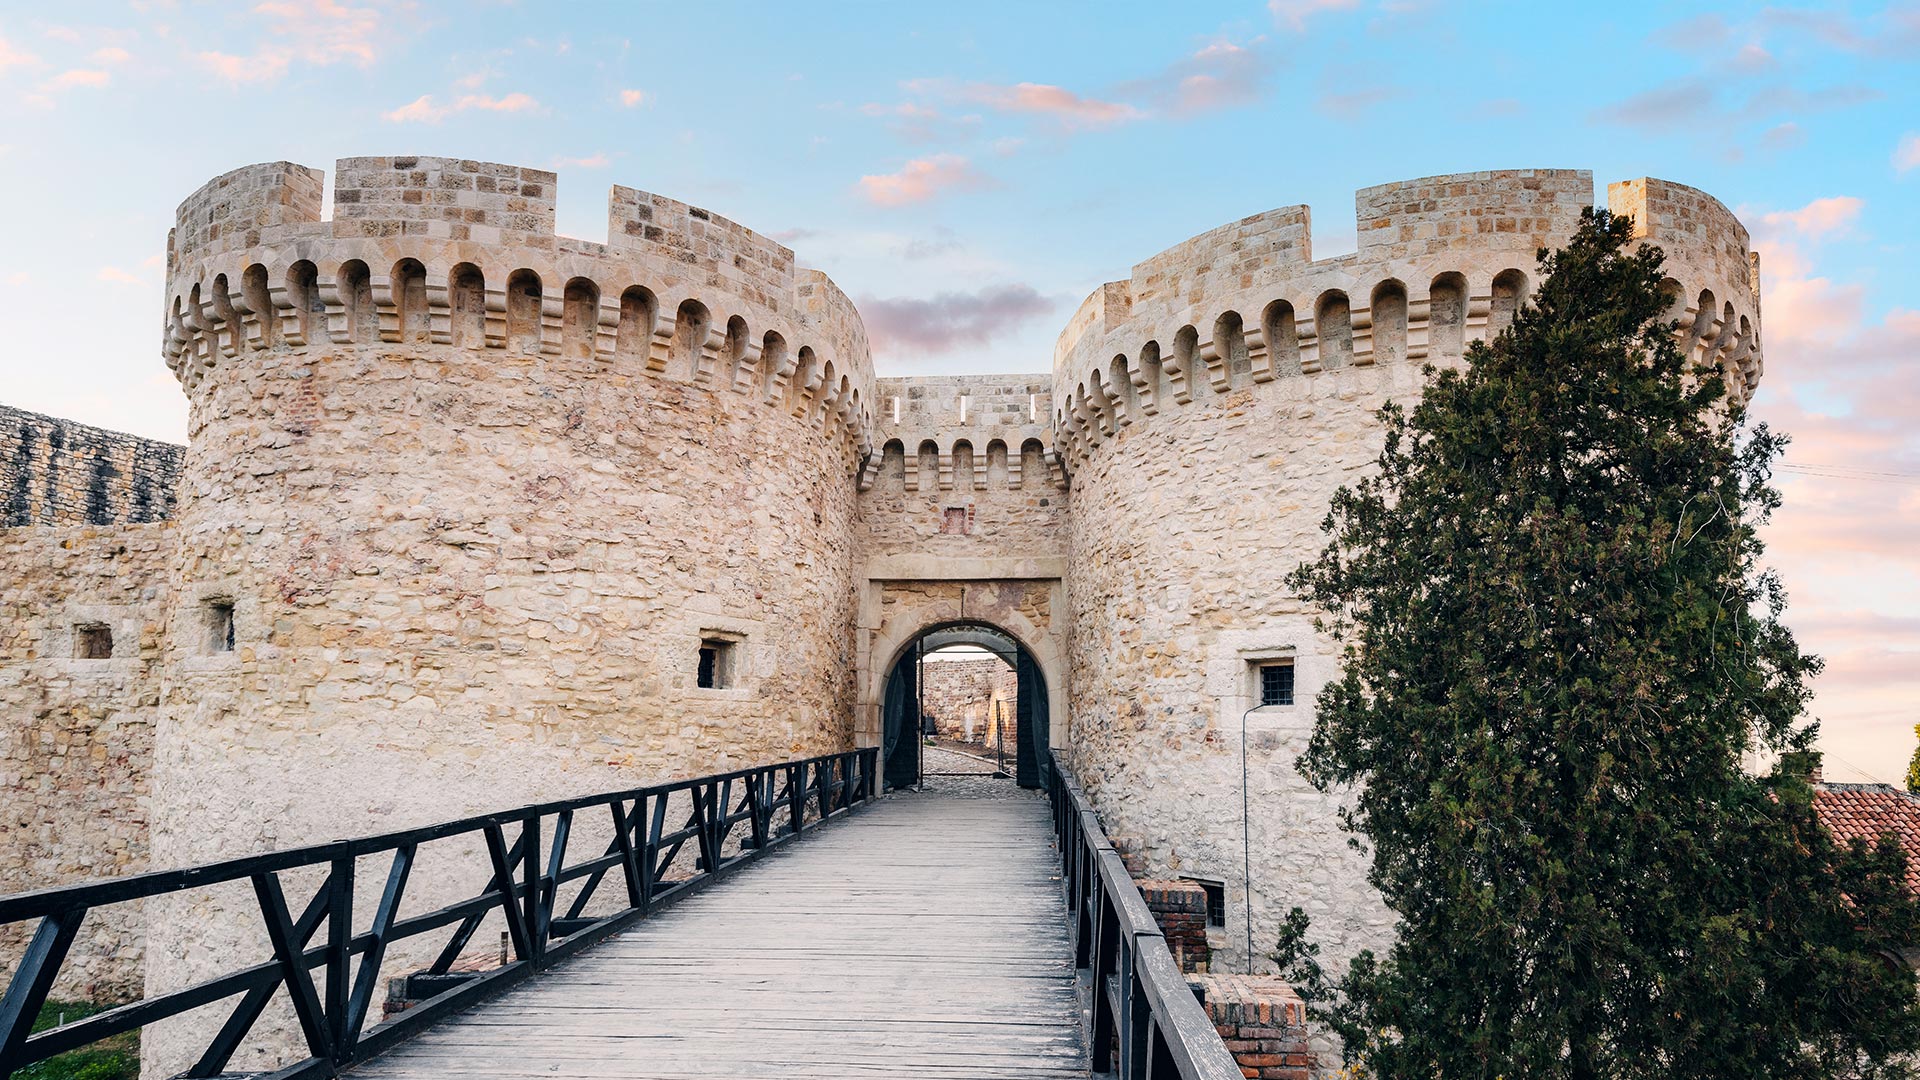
x: 1832, y: 473
x: 1801, y: 466
x: 1874, y: 778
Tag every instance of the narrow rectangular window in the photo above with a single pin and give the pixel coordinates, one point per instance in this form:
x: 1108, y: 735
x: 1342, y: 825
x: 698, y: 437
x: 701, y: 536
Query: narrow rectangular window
x: 92, y: 641
x: 219, y: 616
x: 716, y: 664
x: 1276, y: 684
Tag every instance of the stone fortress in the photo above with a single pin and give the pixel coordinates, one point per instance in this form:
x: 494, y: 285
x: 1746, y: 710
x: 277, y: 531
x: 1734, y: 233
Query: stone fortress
x: 472, y: 514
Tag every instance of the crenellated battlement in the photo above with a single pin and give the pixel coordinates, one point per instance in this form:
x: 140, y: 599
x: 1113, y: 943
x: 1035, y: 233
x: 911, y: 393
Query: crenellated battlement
x: 425, y: 252
x: 1442, y: 261
x: 964, y: 432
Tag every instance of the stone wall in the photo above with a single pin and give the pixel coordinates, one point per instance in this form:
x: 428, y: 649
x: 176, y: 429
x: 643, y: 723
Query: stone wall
x: 963, y: 512
x: 965, y: 469
x: 971, y: 700
x: 76, y: 730
x: 57, y: 472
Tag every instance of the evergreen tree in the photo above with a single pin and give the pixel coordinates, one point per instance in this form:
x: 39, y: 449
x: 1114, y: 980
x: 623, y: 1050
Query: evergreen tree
x: 1558, y: 646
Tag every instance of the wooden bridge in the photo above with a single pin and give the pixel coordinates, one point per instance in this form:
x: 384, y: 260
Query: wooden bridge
x: 965, y: 933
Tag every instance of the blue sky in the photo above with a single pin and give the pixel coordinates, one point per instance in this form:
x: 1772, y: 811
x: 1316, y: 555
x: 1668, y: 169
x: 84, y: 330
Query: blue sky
x: 968, y: 172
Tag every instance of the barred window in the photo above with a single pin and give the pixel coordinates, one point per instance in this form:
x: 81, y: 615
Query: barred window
x: 1276, y: 684
x: 1216, y: 900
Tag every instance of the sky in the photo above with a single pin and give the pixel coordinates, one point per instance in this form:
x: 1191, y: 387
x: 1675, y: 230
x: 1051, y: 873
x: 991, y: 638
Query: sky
x: 968, y: 172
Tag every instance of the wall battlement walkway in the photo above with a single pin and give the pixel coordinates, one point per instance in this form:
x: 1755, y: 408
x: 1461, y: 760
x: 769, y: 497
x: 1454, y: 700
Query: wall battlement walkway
x: 921, y: 937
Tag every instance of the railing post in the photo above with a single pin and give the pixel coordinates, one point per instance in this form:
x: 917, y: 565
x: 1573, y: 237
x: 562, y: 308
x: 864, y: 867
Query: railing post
x: 645, y: 848
x: 550, y: 884
x: 530, y: 881
x: 760, y: 784
x: 339, y: 959
x: 623, y: 839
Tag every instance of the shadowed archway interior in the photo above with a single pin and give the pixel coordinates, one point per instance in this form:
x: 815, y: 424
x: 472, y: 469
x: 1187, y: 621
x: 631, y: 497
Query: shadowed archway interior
x: 902, y: 711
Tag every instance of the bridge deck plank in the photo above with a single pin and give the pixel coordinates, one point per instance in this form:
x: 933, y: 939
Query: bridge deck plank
x: 923, y: 937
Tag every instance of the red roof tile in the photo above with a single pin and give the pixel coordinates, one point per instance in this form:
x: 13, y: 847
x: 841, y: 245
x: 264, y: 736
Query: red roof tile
x: 1870, y: 811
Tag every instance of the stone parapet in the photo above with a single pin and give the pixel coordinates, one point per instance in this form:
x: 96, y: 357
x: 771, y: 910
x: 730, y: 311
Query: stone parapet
x: 969, y: 432
x: 1443, y: 261
x: 451, y: 252
x: 57, y: 472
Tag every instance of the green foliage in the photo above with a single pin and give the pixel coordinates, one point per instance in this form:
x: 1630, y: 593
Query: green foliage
x: 1913, y: 765
x: 116, y: 1058
x: 1559, y: 644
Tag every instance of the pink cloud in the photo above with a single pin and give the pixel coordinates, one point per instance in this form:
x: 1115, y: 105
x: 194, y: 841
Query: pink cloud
x: 325, y: 31
x: 950, y: 320
x: 117, y: 276
x: 1906, y: 155
x: 111, y: 55
x: 1802, y: 305
x: 1817, y: 218
x: 1844, y: 536
x: 906, y: 109
x: 1293, y: 14
x: 425, y: 110
x: 634, y: 98
x: 259, y: 67
x: 68, y: 80
x: 591, y: 161
x: 12, y: 56
x: 1810, y: 309
x: 920, y: 180
x: 1057, y: 102
x: 317, y: 32
x: 1221, y: 74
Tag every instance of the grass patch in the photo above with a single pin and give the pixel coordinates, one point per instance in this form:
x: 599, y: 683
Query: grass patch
x: 116, y: 1058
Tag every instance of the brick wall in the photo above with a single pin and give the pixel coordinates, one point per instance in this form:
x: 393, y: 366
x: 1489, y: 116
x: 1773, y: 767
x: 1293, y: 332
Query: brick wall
x: 1263, y: 1022
x: 1180, y: 907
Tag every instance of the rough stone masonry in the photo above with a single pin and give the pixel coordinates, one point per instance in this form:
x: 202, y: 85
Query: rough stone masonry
x: 463, y: 501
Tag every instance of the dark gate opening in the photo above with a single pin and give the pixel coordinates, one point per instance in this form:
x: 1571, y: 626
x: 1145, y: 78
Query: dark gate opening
x: 906, y: 717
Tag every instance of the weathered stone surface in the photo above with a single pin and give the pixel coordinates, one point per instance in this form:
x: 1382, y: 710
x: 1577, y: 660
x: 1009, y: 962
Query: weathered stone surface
x: 474, y: 493
x: 76, y: 732
x: 56, y: 472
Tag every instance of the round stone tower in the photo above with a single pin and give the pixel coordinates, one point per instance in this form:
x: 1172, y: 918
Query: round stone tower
x: 1207, y: 408
x: 477, y: 515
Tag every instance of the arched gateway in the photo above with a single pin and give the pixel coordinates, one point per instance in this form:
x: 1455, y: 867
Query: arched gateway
x: 903, y: 706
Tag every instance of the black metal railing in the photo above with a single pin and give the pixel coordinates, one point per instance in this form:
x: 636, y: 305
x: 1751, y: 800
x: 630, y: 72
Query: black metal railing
x: 1146, y: 1022
x: 775, y: 802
